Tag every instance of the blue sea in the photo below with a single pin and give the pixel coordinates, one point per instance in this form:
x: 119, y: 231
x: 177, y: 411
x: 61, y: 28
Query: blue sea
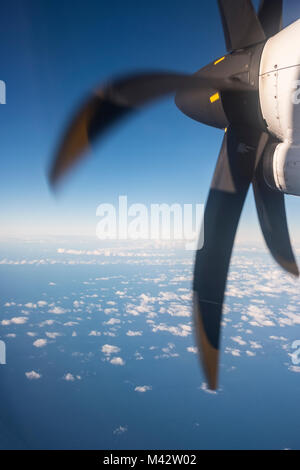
x: 100, y: 351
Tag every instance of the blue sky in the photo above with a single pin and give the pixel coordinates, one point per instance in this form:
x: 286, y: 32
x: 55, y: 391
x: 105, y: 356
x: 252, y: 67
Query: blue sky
x: 52, y: 54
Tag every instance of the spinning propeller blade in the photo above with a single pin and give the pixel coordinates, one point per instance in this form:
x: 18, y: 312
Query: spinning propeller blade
x: 118, y: 99
x: 233, y: 175
x: 270, y: 16
x: 241, y: 25
x: 272, y: 217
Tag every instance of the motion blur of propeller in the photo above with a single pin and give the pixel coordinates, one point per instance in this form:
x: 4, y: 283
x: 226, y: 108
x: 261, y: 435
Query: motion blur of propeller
x: 227, y: 94
x: 116, y: 100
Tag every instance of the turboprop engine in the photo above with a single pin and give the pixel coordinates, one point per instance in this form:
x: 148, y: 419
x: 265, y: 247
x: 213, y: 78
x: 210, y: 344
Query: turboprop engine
x: 279, y: 92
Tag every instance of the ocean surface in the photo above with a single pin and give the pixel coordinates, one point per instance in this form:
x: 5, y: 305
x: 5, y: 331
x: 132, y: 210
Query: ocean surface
x: 100, y: 352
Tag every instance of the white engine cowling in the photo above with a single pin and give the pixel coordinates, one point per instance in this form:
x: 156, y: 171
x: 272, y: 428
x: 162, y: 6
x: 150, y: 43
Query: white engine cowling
x: 279, y: 91
x: 285, y: 169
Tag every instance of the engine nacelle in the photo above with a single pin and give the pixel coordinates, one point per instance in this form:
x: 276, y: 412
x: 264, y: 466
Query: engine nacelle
x: 279, y: 93
x: 282, y: 168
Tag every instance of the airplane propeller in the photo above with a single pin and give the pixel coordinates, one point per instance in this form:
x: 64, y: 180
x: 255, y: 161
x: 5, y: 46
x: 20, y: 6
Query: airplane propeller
x: 224, y: 94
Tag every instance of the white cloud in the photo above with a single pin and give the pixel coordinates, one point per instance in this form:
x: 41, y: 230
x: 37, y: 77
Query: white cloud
x: 143, y: 388
x: 30, y: 305
x: 121, y: 293
x: 278, y: 338
x: 289, y: 317
x: 261, y: 316
x: 15, y: 321
x: 120, y: 430
x: 109, y: 349
x: 33, y: 375
x: 233, y: 351
x: 192, y: 349
x: 255, y: 345
x: 138, y: 356
x: 109, y: 311
x: 117, y: 361
x: 175, y: 309
x: 205, y: 389
x: 147, y: 298
x: 250, y: 353
x: 112, y: 321
x: 70, y: 251
x: 180, y: 330
x: 134, y: 310
x: 181, y: 279
x: 57, y: 310
x: 94, y: 333
x: 52, y: 335
x: 47, y: 322
x: 134, y: 333
x: 167, y: 352
x: 69, y: 377
x: 238, y: 340
x: 40, y: 343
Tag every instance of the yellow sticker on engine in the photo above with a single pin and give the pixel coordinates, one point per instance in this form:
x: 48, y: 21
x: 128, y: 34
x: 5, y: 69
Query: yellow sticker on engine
x: 219, y: 60
x: 214, y: 97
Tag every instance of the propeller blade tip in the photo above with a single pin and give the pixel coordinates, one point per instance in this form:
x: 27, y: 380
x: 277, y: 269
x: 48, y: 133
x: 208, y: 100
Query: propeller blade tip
x: 289, y: 266
x: 295, y: 272
x: 209, y: 356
